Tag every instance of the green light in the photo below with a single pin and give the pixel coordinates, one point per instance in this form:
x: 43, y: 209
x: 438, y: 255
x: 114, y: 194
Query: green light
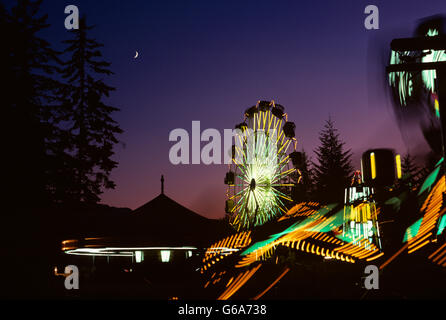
x: 327, y: 226
x: 429, y: 76
x: 412, y: 230
x: 430, y: 180
x: 272, y: 238
x: 165, y: 255
x: 442, y: 225
x: 402, y: 80
x: 139, y: 256
x: 331, y: 223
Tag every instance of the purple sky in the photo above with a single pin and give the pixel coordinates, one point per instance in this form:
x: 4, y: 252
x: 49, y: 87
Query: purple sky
x: 210, y: 60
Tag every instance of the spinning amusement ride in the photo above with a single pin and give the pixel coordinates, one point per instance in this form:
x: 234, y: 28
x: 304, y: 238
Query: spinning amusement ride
x: 260, y: 177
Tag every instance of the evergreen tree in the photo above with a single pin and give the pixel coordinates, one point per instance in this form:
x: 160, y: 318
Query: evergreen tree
x: 333, y: 170
x: 410, y: 170
x: 28, y: 100
x: 92, y: 129
x: 28, y: 65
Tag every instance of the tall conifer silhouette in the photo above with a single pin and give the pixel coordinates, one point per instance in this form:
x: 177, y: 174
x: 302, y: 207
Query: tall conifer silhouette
x: 92, y: 128
x: 29, y: 99
x: 333, y: 170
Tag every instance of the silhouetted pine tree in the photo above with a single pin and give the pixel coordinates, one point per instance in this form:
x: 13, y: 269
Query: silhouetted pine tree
x: 411, y: 172
x: 333, y: 170
x: 28, y: 100
x: 92, y: 129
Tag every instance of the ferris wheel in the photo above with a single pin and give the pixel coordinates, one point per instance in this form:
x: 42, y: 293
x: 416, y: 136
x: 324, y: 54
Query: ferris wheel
x: 260, y: 177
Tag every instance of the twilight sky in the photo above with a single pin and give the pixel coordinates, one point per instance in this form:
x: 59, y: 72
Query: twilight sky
x: 210, y: 60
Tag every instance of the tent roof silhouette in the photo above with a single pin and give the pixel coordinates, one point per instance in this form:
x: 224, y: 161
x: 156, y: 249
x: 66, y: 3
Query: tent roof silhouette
x: 163, y: 211
x: 163, y: 220
x: 160, y: 222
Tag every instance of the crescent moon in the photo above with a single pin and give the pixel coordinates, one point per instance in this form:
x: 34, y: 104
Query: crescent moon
x: 136, y: 55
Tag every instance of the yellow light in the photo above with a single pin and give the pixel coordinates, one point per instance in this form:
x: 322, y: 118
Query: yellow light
x: 373, y: 165
x: 271, y: 285
x: 437, y: 108
x: 398, y: 166
x: 375, y: 257
x: 419, y: 246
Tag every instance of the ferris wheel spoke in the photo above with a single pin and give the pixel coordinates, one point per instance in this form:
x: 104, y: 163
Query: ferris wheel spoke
x: 259, y: 120
x: 236, y: 208
x: 278, y: 124
x: 283, y: 185
x: 241, y: 198
x: 244, y: 171
x: 265, y: 115
x: 287, y: 172
x: 242, y: 178
x: 279, y: 135
x: 281, y: 195
x: 285, y: 145
x: 238, y: 194
x: 286, y: 198
x: 284, y: 159
x: 282, y: 167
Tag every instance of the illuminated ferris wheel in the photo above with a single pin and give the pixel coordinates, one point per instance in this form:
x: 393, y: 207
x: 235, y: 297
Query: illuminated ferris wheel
x: 260, y: 177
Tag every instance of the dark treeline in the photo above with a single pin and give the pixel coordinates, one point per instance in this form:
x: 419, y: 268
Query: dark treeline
x: 60, y: 132
x: 58, y: 138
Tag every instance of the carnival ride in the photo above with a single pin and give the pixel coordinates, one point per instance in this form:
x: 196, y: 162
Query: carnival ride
x: 344, y: 233
x: 260, y: 174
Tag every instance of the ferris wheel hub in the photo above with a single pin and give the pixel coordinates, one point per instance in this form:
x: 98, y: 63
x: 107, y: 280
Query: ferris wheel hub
x: 252, y: 185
